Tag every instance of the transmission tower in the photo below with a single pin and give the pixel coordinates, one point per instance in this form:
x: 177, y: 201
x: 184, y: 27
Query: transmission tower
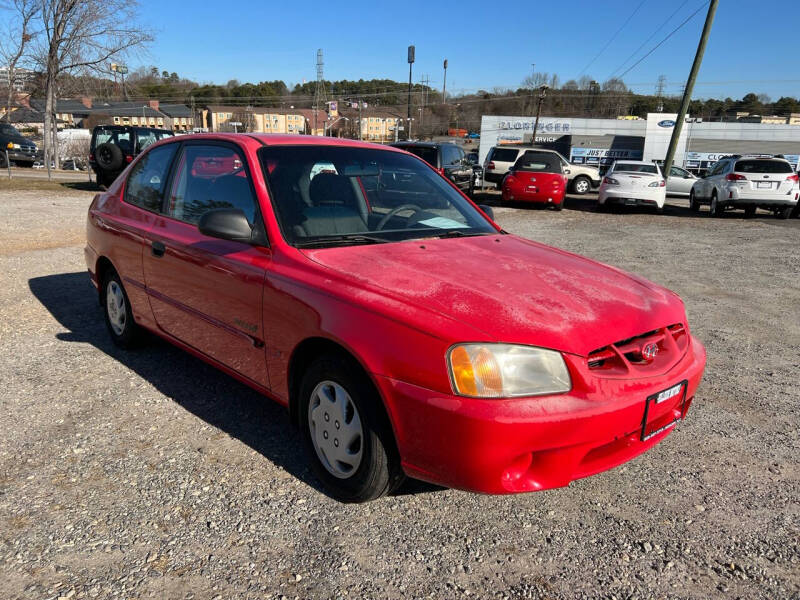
x: 660, y: 92
x: 320, y: 96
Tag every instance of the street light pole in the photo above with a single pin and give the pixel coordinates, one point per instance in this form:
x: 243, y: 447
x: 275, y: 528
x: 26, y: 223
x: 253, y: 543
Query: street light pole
x: 542, y: 94
x: 444, y: 84
x: 411, y: 50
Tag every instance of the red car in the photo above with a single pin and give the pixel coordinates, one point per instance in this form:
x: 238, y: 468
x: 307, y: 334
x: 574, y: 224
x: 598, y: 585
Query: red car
x: 536, y: 177
x: 404, y: 331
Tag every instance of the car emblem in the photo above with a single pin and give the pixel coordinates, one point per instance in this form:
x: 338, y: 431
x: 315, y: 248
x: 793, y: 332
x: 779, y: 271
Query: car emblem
x: 649, y: 351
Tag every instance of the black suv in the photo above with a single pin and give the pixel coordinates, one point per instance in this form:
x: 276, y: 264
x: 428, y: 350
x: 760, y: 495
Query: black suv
x: 19, y: 149
x: 113, y: 147
x: 449, y: 159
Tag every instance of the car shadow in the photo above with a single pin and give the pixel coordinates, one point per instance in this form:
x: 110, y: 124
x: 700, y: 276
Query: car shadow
x: 204, y: 391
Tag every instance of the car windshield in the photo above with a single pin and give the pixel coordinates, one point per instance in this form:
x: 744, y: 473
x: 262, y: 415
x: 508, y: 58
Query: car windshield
x: 335, y: 195
x: 9, y: 130
x: 763, y: 166
x: 635, y: 168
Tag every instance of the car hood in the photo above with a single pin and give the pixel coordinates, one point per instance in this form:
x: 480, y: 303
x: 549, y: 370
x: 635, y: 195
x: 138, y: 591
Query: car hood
x: 511, y: 289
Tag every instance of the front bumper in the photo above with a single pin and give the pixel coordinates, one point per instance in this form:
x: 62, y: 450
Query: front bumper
x: 529, y: 444
x: 22, y: 155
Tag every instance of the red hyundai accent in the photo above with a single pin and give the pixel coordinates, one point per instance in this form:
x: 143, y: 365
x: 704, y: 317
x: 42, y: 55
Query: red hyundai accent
x: 405, y: 332
x: 536, y: 177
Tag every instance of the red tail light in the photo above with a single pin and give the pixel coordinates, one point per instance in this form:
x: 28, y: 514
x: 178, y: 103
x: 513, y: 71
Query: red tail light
x: 128, y: 158
x: 795, y: 178
x: 490, y: 166
x: 735, y: 177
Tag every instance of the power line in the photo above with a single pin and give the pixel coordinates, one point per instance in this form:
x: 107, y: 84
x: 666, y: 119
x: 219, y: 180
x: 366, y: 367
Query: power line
x: 652, y: 35
x: 613, y: 37
x: 671, y: 33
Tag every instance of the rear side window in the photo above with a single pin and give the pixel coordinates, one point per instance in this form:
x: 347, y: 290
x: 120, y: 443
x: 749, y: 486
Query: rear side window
x: 451, y: 155
x: 762, y: 166
x: 504, y: 154
x: 209, y: 177
x: 148, y: 178
x: 426, y: 153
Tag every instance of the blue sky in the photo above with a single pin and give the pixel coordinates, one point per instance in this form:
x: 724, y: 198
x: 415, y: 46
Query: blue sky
x: 752, y: 47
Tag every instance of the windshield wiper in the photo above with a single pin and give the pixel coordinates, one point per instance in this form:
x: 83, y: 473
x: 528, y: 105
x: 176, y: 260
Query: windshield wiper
x: 460, y: 233
x: 334, y: 240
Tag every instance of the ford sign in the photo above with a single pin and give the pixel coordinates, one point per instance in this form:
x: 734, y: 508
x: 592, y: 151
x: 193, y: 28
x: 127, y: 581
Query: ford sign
x: 666, y: 123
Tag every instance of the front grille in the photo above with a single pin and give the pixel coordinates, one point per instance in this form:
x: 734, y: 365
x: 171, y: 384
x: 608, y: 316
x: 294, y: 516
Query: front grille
x: 625, y: 358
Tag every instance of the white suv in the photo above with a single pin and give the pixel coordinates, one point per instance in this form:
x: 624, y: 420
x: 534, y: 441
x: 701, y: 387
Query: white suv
x: 748, y: 182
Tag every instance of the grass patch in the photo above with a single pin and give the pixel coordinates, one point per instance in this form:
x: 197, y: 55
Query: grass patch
x: 26, y: 184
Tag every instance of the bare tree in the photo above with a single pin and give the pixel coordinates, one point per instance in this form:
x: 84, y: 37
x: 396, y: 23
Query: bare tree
x: 247, y: 119
x: 15, y: 41
x: 81, y: 36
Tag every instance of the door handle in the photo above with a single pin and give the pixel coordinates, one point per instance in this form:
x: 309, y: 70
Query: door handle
x: 158, y: 249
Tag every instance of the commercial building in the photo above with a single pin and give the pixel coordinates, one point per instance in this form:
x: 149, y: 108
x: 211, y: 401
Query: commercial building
x: 601, y: 141
x: 259, y: 119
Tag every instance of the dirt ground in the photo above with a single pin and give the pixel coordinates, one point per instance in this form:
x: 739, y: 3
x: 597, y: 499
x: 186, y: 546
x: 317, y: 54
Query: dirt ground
x: 148, y: 474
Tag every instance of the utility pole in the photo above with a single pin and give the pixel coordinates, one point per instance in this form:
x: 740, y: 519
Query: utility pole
x: 410, y: 64
x: 542, y: 95
x: 444, y: 84
x: 687, y: 92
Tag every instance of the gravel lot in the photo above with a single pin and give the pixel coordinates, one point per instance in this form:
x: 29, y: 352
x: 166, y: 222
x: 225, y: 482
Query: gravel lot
x: 149, y: 474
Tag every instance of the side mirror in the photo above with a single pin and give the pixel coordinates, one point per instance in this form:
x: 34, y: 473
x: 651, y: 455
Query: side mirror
x: 488, y: 210
x: 226, y: 224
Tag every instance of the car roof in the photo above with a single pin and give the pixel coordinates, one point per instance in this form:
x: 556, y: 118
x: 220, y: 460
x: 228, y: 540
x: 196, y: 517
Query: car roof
x: 422, y: 144
x: 277, y: 139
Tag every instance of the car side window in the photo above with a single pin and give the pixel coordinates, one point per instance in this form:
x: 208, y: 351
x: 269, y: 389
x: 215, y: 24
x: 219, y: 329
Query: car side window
x: 676, y: 172
x: 449, y: 155
x: 209, y: 177
x: 148, y: 178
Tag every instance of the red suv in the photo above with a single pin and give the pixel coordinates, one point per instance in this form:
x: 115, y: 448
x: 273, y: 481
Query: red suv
x: 405, y: 332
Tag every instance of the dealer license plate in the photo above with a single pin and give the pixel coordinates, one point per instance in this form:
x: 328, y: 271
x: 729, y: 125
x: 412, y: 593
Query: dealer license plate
x: 764, y: 184
x: 663, y: 410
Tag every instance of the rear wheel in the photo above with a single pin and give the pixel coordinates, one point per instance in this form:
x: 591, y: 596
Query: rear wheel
x: 694, y: 205
x: 581, y: 185
x: 784, y: 213
x: 559, y: 206
x: 124, y: 331
x: 347, y: 433
x: 716, y: 207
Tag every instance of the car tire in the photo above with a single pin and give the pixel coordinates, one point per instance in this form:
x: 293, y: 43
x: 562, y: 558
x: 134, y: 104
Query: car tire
x: 581, y: 185
x: 333, y: 390
x: 117, y: 312
x: 796, y: 211
x: 694, y: 205
x: 109, y: 156
x: 559, y: 206
x: 784, y: 213
x: 749, y: 212
x: 716, y: 209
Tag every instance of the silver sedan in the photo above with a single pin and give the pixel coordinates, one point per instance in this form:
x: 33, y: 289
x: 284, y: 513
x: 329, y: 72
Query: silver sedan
x: 679, y: 182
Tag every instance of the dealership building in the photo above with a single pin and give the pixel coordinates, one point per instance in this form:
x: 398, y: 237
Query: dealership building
x: 600, y: 142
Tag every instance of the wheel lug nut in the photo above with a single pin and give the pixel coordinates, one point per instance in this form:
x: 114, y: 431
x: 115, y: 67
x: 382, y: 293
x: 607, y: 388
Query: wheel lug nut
x: 337, y: 424
x: 325, y: 434
x: 336, y: 442
x: 327, y: 417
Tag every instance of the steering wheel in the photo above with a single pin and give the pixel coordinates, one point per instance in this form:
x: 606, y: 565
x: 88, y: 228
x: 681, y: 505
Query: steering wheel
x: 394, y: 211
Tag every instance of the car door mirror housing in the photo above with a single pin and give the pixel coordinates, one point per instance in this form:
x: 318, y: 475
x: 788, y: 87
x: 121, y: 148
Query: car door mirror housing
x: 226, y: 224
x: 567, y: 171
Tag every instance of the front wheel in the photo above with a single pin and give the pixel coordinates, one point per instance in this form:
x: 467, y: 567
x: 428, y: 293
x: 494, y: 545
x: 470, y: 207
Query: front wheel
x: 581, y: 185
x: 347, y: 433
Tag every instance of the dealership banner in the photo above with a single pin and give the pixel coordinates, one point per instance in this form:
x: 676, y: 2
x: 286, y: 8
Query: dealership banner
x: 602, y: 156
x: 703, y: 160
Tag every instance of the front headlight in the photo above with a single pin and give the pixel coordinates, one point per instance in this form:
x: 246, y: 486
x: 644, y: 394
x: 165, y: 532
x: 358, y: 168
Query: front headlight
x: 506, y: 370
x: 10, y: 146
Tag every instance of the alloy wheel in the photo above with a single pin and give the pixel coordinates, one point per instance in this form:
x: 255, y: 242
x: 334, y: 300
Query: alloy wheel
x: 115, y: 307
x: 581, y: 186
x: 335, y: 428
